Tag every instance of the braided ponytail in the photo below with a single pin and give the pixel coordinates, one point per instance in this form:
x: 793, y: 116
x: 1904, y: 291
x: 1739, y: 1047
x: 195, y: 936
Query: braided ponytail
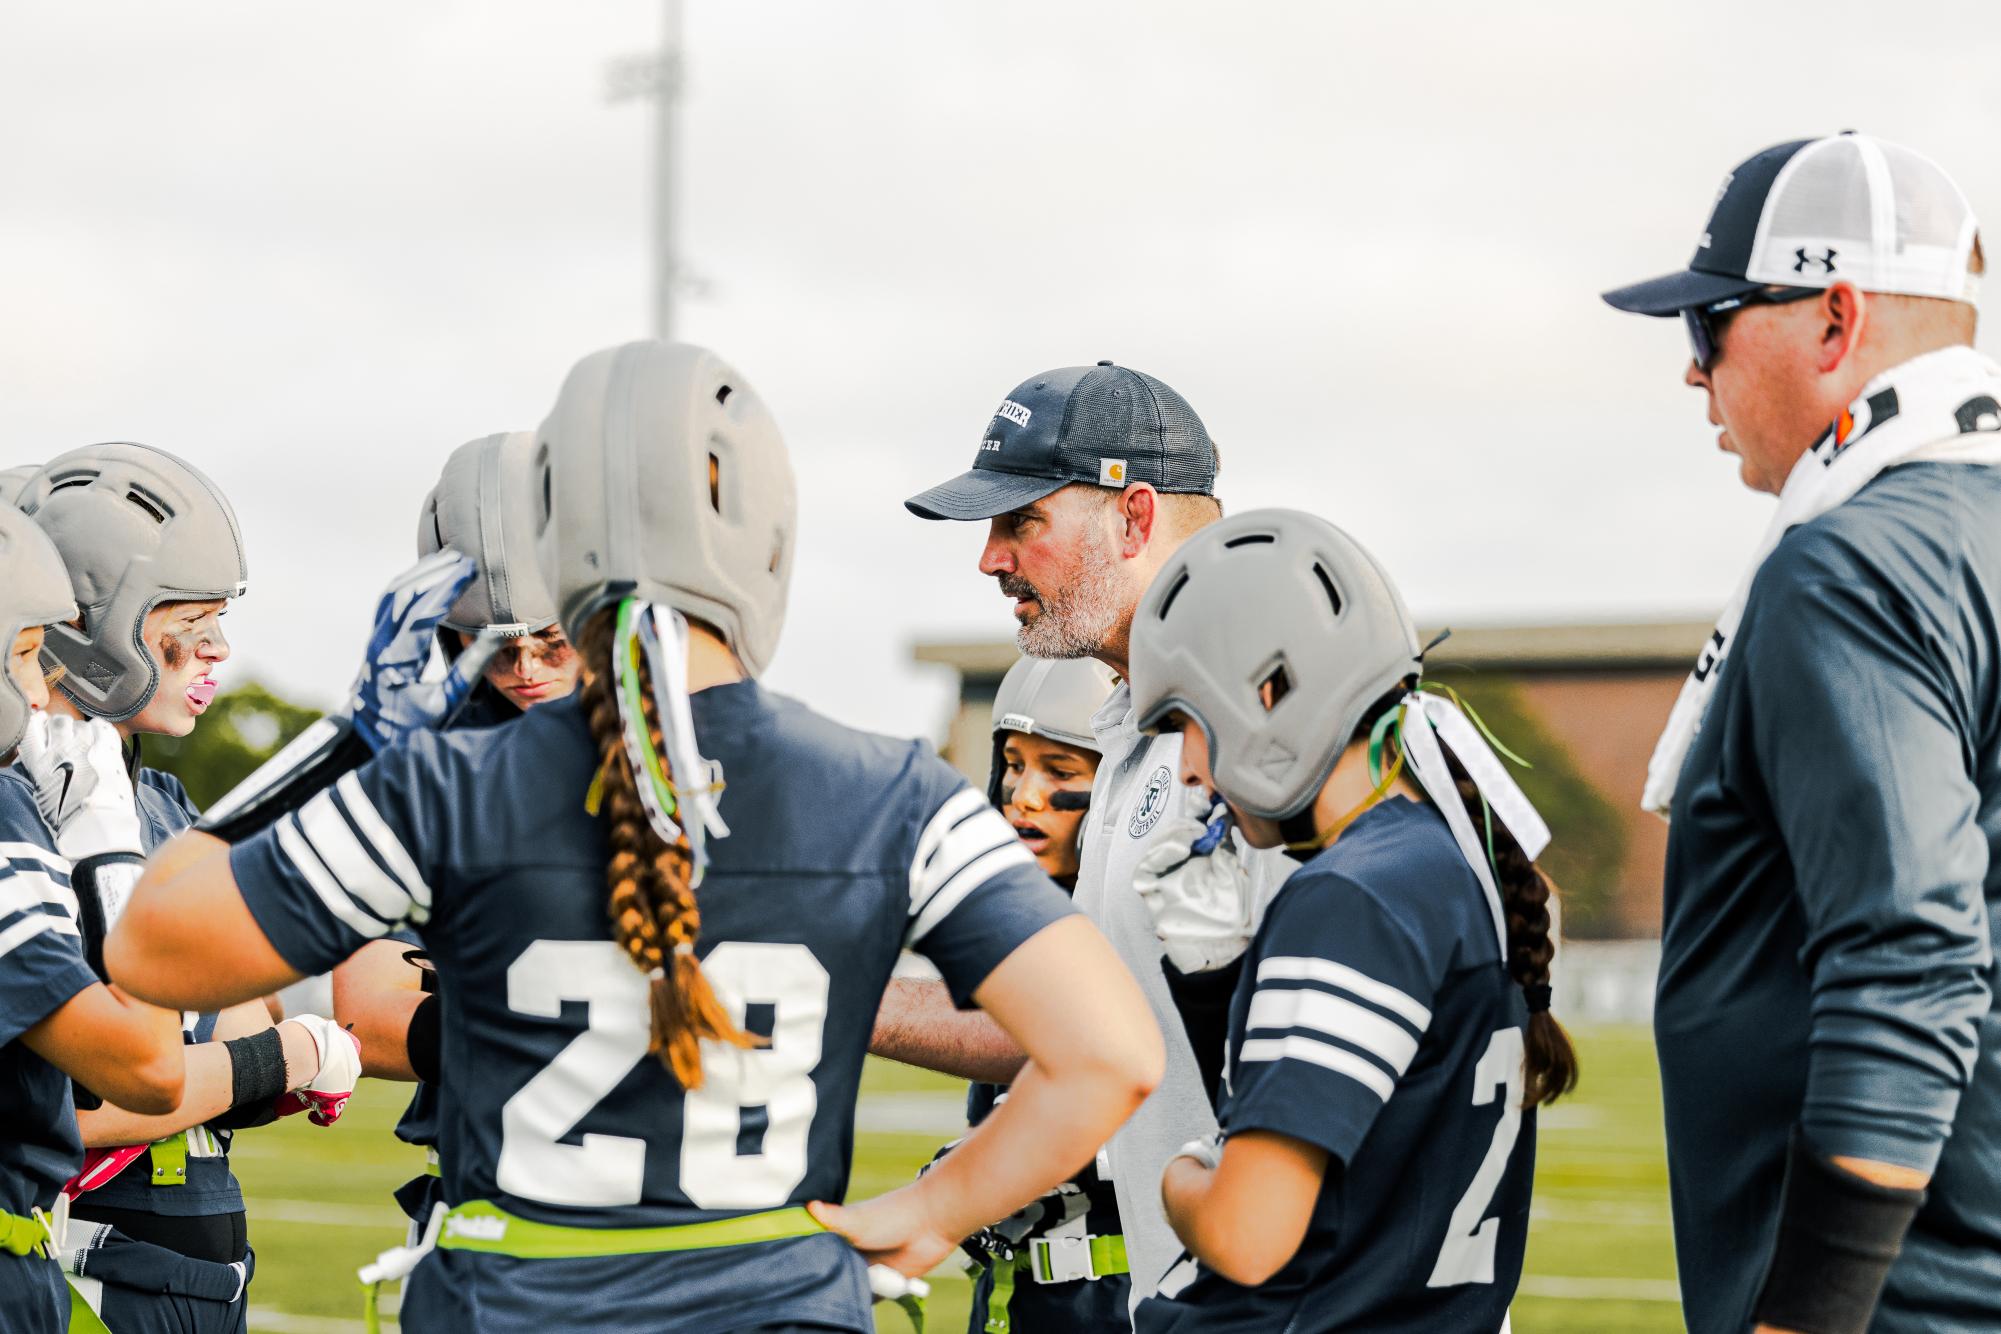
x: 1549, y: 1060
x: 654, y: 915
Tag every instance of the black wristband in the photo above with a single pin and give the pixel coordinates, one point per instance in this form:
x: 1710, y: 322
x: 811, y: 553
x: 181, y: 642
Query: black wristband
x: 1203, y: 1001
x: 256, y: 1068
x: 421, y: 1043
x: 102, y: 883
x: 1838, y: 1236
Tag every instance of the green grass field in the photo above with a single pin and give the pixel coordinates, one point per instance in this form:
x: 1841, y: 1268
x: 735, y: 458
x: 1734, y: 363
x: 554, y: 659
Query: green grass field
x: 1600, y: 1252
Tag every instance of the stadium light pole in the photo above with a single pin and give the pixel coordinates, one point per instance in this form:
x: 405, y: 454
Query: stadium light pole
x: 659, y: 76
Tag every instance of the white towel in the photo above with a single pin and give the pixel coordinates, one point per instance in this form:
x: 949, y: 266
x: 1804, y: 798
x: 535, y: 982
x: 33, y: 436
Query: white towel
x: 1943, y: 406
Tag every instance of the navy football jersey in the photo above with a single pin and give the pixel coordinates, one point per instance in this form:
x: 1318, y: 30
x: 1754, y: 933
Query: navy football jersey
x: 41, y: 967
x: 1375, y: 1020
x: 843, y: 849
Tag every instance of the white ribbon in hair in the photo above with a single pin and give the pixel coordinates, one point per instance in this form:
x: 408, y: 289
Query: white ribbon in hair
x: 663, y: 633
x: 1429, y: 719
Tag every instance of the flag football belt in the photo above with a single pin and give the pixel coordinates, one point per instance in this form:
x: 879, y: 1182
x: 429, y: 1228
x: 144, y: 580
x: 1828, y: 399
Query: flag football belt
x: 481, y: 1225
x: 25, y: 1236
x: 34, y: 1237
x: 1052, y: 1260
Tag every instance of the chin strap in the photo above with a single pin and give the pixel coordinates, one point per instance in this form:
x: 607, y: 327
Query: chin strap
x: 1384, y: 781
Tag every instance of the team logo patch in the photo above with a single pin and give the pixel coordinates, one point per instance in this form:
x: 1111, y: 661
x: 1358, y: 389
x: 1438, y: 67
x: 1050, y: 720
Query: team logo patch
x: 1152, y: 803
x: 1111, y: 472
x: 1013, y: 412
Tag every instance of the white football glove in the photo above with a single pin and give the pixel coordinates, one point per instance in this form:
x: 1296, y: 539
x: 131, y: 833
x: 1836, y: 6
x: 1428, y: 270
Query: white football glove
x: 1201, y: 904
x: 325, y: 1096
x: 82, y: 785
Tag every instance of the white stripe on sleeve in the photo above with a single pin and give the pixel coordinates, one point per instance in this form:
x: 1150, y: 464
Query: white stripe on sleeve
x: 34, y: 852
x: 300, y: 854
x: 25, y: 930
x: 23, y: 889
x: 957, y: 808
x: 970, y: 877
x: 976, y: 836
x: 377, y: 831
x: 1358, y: 1026
x: 1308, y: 968
x: 339, y: 846
x: 1297, y: 1047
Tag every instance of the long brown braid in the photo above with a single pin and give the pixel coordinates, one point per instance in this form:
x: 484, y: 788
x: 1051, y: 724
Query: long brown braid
x: 654, y: 915
x: 1549, y: 1060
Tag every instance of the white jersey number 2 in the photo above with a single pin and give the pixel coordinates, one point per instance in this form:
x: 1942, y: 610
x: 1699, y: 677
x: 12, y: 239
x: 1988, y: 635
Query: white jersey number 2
x: 1468, y: 1253
x: 772, y: 1083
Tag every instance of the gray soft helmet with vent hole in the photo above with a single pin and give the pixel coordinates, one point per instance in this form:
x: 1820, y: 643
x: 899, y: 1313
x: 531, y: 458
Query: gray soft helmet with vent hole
x: 1280, y: 597
x: 34, y: 590
x: 136, y: 527
x: 660, y: 474
x: 483, y: 506
x: 15, y: 480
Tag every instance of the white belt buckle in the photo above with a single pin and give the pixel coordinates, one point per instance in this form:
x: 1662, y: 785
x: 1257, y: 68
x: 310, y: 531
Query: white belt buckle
x: 1066, y: 1259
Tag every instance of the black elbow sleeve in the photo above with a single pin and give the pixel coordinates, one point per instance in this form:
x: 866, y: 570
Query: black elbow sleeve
x: 423, y: 1040
x: 1838, y: 1237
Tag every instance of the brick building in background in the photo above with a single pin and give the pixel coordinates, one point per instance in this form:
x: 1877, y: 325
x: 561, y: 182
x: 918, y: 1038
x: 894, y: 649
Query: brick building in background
x: 1583, y: 703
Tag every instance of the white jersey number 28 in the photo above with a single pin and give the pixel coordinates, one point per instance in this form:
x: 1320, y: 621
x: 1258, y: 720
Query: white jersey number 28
x: 605, y: 1170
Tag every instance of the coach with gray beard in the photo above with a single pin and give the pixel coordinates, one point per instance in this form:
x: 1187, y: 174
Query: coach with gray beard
x: 1089, y: 478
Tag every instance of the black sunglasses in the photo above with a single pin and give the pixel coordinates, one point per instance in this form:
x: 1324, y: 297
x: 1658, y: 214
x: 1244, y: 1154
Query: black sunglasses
x: 1705, y: 328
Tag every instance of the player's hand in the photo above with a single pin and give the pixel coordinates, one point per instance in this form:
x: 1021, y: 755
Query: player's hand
x: 81, y: 785
x: 894, y: 1230
x: 1198, y: 895
x: 390, y: 699
x: 324, y: 1097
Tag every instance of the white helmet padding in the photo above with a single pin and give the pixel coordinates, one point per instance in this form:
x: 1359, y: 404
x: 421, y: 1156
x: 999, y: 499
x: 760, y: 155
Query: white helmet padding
x: 1272, y: 596
x: 1048, y: 697
x: 483, y: 506
x: 136, y: 527
x: 34, y: 590
x: 14, y: 480
x: 660, y: 475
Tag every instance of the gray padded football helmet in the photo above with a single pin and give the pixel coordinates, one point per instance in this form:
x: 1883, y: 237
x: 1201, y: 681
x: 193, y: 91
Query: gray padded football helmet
x: 1048, y: 697
x: 482, y: 506
x: 1279, y: 596
x: 659, y: 474
x: 34, y: 590
x: 14, y: 480
x: 136, y: 527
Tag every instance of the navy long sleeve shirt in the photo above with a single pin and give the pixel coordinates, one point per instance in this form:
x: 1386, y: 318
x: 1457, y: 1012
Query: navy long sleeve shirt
x: 1830, y: 908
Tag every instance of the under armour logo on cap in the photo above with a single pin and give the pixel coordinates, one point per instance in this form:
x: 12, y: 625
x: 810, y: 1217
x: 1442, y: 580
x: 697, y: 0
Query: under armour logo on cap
x: 1802, y: 259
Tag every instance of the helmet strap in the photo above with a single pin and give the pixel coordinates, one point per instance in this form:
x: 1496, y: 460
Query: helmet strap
x: 1385, y: 780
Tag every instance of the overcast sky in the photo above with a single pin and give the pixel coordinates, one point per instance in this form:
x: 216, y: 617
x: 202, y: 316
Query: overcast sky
x: 313, y: 249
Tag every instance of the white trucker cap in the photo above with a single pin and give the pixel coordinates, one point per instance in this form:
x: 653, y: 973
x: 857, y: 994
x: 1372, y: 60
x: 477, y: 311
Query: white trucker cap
x: 1815, y: 212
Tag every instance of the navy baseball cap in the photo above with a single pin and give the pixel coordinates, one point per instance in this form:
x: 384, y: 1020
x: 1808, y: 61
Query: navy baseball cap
x: 1814, y: 212
x: 1105, y: 425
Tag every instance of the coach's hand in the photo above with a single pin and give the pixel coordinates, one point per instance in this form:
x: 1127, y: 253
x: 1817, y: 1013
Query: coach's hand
x: 1198, y: 894
x: 893, y: 1230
